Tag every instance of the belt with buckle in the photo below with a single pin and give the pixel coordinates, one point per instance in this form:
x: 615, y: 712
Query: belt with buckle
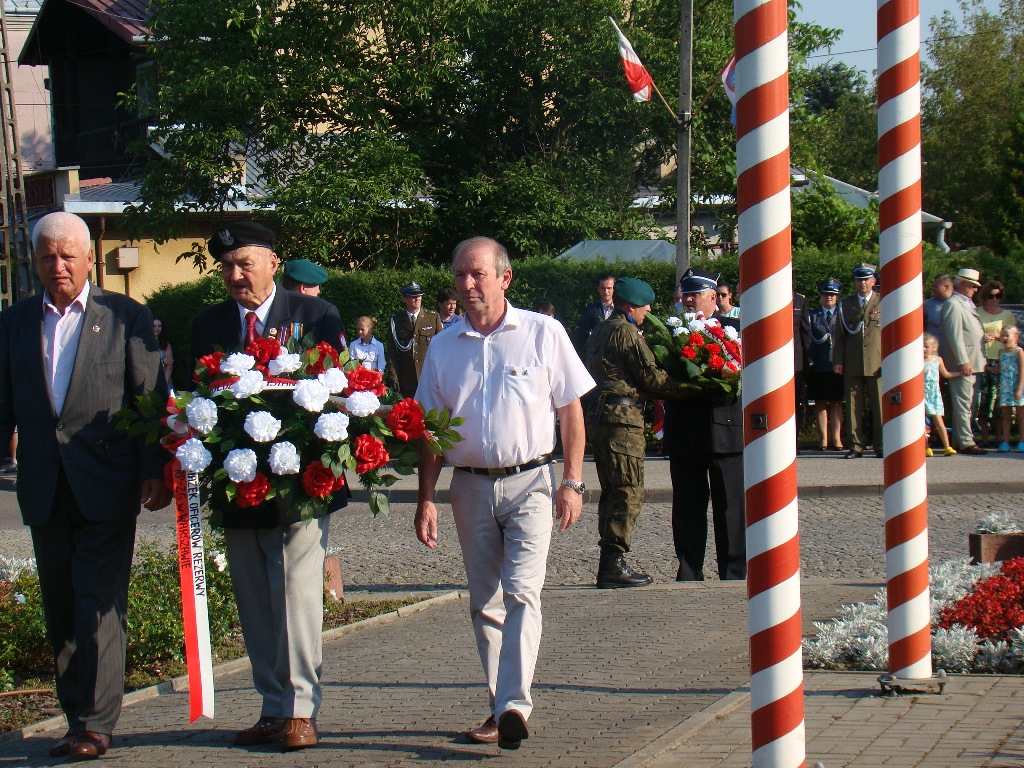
x: 506, y: 471
x: 619, y: 400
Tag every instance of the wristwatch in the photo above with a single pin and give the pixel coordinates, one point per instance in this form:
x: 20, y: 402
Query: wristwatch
x: 577, y: 485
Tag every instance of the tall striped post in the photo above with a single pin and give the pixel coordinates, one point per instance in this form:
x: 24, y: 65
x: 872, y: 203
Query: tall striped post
x: 769, y: 413
x: 899, y: 191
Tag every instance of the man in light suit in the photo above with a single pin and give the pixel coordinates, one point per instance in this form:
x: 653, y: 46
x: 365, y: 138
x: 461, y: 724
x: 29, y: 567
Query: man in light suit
x: 409, y: 335
x: 857, y: 357
x: 963, y: 351
x: 69, y: 360
x: 276, y: 560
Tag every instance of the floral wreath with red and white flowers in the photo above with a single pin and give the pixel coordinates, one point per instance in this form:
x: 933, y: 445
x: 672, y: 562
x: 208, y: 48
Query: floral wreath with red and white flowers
x: 698, y: 350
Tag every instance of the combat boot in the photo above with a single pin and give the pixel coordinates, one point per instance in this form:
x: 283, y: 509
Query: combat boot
x: 615, y: 573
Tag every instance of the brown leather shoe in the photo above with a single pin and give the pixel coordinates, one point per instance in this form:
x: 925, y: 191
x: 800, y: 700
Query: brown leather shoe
x: 89, y: 745
x: 485, y: 733
x: 298, y: 733
x: 266, y: 731
x: 512, y: 729
x: 62, y: 747
x: 972, y: 450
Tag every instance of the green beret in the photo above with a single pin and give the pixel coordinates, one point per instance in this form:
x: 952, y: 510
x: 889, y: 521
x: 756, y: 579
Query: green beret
x: 634, y: 291
x: 305, y: 271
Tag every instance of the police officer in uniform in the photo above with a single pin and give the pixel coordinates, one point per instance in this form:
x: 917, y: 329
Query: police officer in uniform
x: 409, y: 335
x: 857, y: 357
x: 824, y: 387
x: 625, y: 372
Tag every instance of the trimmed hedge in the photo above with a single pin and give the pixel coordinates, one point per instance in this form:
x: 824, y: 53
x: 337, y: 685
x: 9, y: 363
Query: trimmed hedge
x: 569, y: 285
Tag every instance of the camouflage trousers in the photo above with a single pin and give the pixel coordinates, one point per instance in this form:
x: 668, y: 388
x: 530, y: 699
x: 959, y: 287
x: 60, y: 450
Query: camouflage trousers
x: 619, y: 460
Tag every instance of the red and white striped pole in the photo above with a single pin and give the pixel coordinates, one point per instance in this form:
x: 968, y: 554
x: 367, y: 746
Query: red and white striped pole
x: 899, y: 191
x: 769, y: 413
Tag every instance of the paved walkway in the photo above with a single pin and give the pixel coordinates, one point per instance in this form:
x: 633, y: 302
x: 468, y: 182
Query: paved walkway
x: 646, y: 678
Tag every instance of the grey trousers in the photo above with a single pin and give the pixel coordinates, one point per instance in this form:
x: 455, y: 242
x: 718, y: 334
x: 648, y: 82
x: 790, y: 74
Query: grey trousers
x: 278, y: 579
x: 962, y: 391
x: 504, y: 527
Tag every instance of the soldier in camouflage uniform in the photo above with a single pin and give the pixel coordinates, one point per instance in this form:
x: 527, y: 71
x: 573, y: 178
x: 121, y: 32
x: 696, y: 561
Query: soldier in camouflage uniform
x: 625, y: 372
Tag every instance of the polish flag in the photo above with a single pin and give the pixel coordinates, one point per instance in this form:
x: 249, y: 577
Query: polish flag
x: 639, y: 79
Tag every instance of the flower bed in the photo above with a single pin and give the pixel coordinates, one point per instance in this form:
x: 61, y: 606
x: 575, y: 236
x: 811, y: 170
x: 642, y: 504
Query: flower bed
x: 977, y: 623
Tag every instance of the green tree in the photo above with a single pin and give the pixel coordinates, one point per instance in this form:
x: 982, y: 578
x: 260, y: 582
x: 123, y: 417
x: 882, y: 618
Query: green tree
x: 972, y: 92
x: 381, y: 133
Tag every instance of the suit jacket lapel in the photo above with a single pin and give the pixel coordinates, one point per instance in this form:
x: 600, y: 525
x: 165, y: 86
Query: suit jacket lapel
x: 96, y: 324
x: 32, y: 348
x: 279, y: 314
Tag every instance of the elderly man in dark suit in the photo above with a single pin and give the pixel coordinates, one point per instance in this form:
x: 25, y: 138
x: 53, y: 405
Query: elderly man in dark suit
x: 69, y: 360
x: 409, y: 336
x: 276, y: 560
x: 704, y: 443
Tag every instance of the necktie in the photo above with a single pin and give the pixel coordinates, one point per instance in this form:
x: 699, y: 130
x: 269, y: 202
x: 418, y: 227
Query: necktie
x: 250, y: 328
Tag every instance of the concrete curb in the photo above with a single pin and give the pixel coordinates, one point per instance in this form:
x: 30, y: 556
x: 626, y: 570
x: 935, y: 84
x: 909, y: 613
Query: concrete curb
x: 241, y: 664
x: 650, y: 755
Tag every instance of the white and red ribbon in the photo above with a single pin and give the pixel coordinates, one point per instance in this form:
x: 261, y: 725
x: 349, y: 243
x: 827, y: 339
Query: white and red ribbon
x: 192, y: 571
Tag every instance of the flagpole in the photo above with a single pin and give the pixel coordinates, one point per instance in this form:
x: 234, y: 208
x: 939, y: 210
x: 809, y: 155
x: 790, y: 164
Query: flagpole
x: 684, y: 119
x: 671, y: 111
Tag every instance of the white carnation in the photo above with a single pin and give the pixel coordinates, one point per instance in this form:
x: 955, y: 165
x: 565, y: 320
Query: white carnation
x: 334, y: 379
x: 284, y: 459
x: 249, y: 383
x: 220, y: 560
x: 238, y: 363
x: 286, y: 362
x: 202, y: 414
x: 673, y: 322
x: 311, y: 395
x: 261, y: 426
x: 19, y: 598
x: 332, y: 427
x: 193, y: 455
x: 241, y: 465
x: 362, y: 404
x: 678, y: 331
x: 731, y: 333
x: 696, y: 325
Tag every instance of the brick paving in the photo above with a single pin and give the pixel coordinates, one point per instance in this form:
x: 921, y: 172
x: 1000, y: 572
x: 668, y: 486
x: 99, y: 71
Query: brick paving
x: 645, y: 678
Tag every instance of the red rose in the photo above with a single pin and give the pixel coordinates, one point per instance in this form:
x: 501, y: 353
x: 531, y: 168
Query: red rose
x: 696, y: 340
x: 364, y: 380
x: 689, y: 353
x: 714, y: 349
x: 406, y: 420
x: 253, y: 493
x: 325, y: 351
x: 264, y: 350
x: 207, y: 366
x: 370, y: 453
x: 716, y: 363
x: 319, y: 481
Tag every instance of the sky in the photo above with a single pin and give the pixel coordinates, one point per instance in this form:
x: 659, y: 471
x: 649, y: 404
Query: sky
x: 857, y: 19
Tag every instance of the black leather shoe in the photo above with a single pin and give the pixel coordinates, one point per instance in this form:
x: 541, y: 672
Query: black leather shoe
x: 879, y: 453
x: 615, y: 573
x: 854, y: 453
x: 512, y: 729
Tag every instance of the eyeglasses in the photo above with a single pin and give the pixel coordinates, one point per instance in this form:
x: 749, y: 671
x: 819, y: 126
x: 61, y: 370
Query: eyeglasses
x: 723, y: 295
x: 995, y: 295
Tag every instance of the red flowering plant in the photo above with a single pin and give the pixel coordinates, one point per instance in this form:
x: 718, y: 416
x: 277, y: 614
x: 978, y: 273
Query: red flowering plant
x: 280, y: 423
x: 697, y: 350
x: 994, y: 607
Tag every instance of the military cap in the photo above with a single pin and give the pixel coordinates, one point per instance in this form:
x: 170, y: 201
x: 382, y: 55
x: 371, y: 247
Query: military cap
x: 864, y: 270
x: 305, y: 271
x: 697, y: 280
x: 831, y: 285
x: 239, y: 234
x: 412, y: 289
x: 633, y: 291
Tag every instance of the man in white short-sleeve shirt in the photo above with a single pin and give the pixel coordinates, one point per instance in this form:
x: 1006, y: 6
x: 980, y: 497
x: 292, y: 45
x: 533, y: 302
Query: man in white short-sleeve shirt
x: 507, y: 372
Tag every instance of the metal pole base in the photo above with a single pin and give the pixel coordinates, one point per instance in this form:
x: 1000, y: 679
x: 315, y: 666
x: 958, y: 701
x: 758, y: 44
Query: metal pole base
x: 894, y: 686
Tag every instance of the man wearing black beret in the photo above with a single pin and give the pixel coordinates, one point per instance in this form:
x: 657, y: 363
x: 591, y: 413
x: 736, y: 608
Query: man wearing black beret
x: 704, y: 443
x: 276, y: 560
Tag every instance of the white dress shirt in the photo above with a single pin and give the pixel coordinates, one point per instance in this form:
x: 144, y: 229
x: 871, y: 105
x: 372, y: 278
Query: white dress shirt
x: 506, y: 385
x: 261, y: 314
x: 61, y: 334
